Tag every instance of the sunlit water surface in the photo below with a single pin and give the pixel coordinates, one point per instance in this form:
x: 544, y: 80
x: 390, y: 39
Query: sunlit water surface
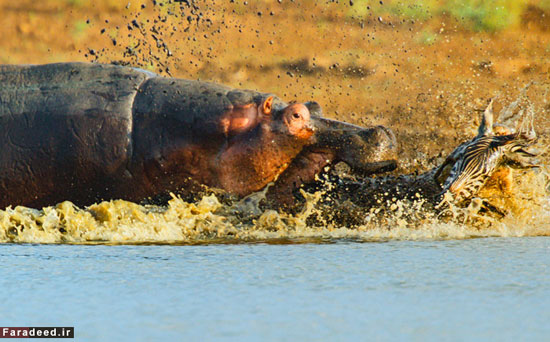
x: 473, y: 289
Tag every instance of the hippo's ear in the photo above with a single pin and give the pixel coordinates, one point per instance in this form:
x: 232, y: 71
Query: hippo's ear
x: 267, y: 105
x: 314, y: 108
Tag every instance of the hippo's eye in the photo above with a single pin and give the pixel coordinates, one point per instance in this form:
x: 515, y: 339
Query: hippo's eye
x: 296, y: 115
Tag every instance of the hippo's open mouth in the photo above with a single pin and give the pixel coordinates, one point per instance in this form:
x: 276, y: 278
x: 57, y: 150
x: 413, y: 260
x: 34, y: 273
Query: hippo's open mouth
x: 378, y: 167
x: 366, y: 150
x: 317, y: 159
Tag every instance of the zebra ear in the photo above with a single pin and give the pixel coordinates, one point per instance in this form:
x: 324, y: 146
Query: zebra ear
x: 486, y: 126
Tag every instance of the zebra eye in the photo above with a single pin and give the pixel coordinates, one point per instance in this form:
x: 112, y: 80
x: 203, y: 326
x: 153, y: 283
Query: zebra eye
x: 517, y: 148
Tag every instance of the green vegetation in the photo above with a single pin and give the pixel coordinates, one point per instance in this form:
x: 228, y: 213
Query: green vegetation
x: 544, y: 4
x: 112, y: 5
x: 426, y: 37
x: 489, y: 15
x: 76, y: 3
x: 79, y: 29
x: 474, y: 15
x: 416, y: 10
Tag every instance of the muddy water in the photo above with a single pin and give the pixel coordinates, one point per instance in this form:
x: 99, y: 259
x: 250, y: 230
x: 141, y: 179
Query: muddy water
x: 209, y: 221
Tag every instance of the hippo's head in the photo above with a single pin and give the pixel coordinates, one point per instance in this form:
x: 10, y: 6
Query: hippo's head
x: 365, y: 150
x: 293, y: 120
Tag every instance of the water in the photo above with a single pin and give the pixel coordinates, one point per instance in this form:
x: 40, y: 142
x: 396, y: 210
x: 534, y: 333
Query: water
x: 474, y: 289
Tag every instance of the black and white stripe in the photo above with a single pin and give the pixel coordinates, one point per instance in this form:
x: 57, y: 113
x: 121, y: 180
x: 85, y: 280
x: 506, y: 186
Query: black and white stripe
x: 478, y: 159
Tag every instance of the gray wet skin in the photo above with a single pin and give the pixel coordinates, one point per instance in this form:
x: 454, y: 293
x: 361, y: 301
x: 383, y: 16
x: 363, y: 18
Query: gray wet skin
x: 89, y: 132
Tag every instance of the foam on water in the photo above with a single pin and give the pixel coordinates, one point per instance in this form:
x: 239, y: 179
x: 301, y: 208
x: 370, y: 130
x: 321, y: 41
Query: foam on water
x: 210, y: 221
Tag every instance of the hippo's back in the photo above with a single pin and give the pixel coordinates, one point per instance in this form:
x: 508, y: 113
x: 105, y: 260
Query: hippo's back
x: 62, y: 125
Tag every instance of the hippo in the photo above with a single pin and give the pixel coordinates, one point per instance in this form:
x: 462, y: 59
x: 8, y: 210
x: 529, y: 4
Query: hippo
x: 87, y: 132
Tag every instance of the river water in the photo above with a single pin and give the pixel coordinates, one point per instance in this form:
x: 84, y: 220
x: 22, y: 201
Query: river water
x: 452, y: 290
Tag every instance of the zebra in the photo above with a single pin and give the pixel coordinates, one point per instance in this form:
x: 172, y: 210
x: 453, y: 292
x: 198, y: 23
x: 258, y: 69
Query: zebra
x: 468, y: 168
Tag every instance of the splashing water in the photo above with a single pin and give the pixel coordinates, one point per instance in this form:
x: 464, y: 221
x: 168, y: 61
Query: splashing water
x: 210, y: 221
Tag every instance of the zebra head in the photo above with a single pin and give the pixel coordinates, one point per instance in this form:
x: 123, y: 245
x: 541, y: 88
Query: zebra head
x: 471, y: 164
